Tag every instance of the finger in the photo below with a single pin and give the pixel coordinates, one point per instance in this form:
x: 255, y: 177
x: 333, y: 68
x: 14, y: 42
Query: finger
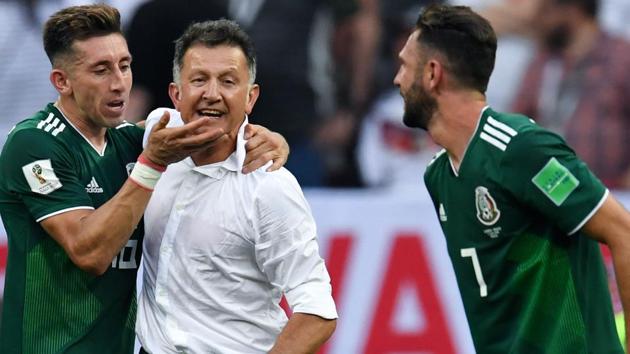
x: 189, y: 128
x: 257, y: 163
x: 142, y: 123
x: 255, y: 153
x: 205, y: 138
x: 161, y: 124
x: 277, y: 163
x: 252, y: 130
x: 254, y: 142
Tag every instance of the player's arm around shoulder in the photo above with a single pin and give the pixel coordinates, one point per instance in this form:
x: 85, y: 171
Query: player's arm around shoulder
x: 610, y: 224
x: 92, y: 238
x: 287, y: 251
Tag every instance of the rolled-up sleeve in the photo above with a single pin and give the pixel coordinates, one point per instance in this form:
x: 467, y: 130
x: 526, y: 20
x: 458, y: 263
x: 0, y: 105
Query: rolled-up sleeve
x: 286, y: 246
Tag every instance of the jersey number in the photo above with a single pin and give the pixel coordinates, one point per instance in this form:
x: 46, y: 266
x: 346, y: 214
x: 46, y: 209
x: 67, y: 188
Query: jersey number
x: 126, y: 259
x: 472, y: 253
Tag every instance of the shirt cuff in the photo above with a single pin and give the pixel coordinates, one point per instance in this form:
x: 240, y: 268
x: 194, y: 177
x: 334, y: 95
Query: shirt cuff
x: 314, y: 299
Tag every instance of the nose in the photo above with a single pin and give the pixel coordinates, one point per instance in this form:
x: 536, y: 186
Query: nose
x: 118, y: 80
x: 397, y: 78
x: 211, y: 91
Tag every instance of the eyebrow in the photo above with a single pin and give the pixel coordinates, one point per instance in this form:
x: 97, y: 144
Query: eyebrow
x: 106, y: 62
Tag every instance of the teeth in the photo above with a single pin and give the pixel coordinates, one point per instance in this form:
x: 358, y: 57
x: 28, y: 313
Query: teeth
x: 211, y: 112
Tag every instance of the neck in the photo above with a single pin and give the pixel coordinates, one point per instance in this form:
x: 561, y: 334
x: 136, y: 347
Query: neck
x: 584, y: 38
x: 95, y: 134
x: 455, y: 121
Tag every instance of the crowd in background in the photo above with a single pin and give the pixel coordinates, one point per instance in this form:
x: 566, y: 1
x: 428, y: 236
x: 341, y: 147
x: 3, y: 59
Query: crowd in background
x: 326, y: 68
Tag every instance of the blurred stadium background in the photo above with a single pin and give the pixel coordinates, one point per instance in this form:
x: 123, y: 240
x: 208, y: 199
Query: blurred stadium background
x: 360, y: 168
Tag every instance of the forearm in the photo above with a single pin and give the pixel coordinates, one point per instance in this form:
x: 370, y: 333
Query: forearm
x: 303, y: 334
x: 105, y: 231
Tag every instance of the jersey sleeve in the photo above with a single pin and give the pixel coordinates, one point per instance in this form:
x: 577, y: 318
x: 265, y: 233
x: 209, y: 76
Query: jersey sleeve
x: 39, y: 170
x: 546, y: 175
x: 286, y: 246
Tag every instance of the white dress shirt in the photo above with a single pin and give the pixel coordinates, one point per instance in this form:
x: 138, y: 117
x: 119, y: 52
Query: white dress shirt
x: 220, y: 250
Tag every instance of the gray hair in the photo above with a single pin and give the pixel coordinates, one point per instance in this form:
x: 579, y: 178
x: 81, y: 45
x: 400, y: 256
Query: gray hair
x: 213, y: 34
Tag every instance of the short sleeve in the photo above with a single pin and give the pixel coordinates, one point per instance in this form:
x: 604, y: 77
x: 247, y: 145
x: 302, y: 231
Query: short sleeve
x: 286, y: 246
x: 39, y: 170
x: 545, y: 174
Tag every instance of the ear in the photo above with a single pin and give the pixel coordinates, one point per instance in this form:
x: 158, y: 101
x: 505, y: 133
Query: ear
x: 175, y: 94
x: 252, y: 96
x: 60, y: 81
x: 433, y: 74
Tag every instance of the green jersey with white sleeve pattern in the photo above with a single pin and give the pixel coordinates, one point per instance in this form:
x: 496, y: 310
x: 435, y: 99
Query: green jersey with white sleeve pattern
x: 530, y: 280
x: 50, y: 305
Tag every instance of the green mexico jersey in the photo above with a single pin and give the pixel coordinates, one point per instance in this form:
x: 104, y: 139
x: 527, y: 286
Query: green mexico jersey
x: 530, y: 281
x: 50, y: 305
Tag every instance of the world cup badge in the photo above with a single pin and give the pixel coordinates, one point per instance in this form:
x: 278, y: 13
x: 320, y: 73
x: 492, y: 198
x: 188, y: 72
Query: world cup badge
x: 37, y: 171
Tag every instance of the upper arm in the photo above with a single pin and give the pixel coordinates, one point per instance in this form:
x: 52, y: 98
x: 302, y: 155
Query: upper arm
x: 542, y: 172
x: 39, y: 171
x: 286, y: 246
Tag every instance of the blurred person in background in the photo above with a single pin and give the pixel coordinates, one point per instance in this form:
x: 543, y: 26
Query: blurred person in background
x: 214, y: 273
x: 521, y: 212
x: 75, y: 182
x: 389, y: 154
x: 577, y: 85
x: 315, y: 60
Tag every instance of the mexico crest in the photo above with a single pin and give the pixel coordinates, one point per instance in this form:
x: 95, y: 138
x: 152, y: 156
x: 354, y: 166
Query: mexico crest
x: 487, y: 211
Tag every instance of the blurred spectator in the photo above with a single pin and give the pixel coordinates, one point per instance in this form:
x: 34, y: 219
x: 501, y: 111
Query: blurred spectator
x: 293, y: 38
x: 577, y: 86
x: 24, y: 67
x: 150, y: 36
x: 391, y: 155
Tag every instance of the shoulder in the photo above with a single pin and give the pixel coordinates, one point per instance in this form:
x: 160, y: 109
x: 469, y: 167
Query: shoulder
x: 438, y: 159
x: 129, y: 130
x: 510, y: 132
x: 271, y: 188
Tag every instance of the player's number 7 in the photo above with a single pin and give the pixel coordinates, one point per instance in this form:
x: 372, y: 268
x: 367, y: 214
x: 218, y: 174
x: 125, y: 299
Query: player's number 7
x: 472, y: 253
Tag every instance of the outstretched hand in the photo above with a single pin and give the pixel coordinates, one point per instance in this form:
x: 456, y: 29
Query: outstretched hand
x: 168, y: 145
x: 263, y: 146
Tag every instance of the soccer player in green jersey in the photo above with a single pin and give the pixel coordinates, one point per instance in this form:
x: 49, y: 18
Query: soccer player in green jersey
x: 75, y: 182
x: 520, y: 212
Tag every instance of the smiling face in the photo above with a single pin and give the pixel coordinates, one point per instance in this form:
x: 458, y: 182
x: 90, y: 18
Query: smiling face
x: 95, y: 81
x: 215, y: 83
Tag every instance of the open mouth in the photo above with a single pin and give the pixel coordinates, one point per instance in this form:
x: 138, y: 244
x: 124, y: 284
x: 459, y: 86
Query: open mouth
x: 117, y: 104
x: 211, y: 113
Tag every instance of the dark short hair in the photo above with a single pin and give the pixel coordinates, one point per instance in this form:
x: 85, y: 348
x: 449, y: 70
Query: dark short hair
x: 212, y: 34
x: 464, y: 38
x: 78, y: 23
x: 589, y: 7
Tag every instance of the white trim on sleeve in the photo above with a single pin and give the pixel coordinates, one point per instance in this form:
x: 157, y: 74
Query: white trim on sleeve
x: 590, y: 215
x: 63, y: 211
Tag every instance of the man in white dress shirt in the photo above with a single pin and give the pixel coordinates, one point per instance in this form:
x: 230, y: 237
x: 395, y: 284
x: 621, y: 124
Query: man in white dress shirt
x: 221, y: 247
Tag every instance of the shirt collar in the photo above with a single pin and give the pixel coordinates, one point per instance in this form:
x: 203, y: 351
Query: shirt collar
x: 233, y: 163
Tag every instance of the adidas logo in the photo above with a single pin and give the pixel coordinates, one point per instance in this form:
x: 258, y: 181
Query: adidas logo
x: 93, y: 187
x: 51, y: 125
x: 442, y: 213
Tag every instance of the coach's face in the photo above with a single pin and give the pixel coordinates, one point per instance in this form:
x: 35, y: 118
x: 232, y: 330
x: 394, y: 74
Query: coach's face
x: 215, y: 83
x: 97, y: 79
x: 419, y: 105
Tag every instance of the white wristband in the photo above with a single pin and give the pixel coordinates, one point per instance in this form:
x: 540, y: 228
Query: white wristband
x: 145, y: 176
